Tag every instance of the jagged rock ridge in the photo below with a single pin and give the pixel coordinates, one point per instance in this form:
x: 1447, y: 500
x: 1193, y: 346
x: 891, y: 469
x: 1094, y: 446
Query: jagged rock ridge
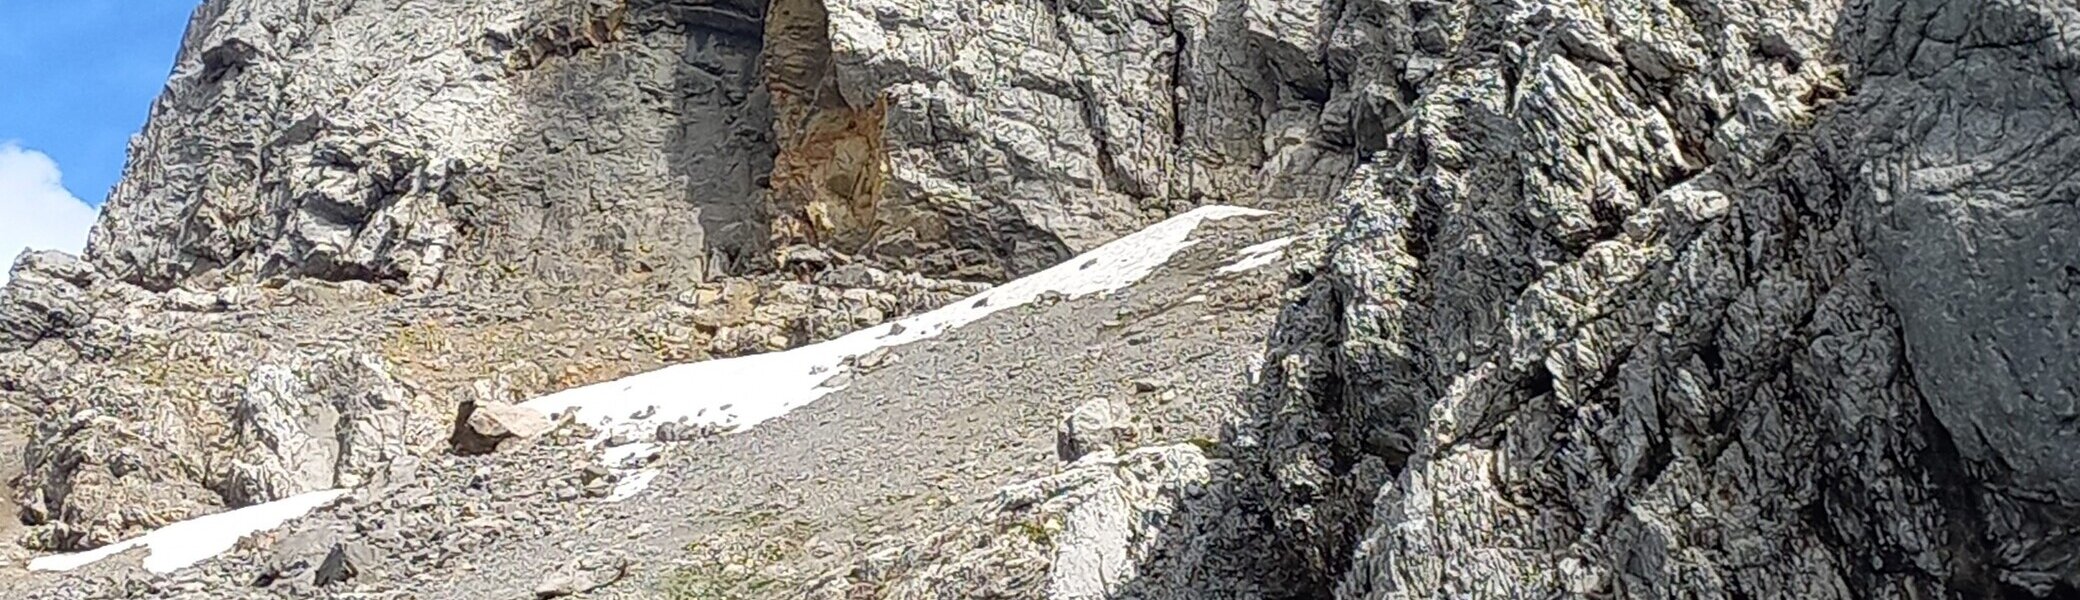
x: 1637, y: 298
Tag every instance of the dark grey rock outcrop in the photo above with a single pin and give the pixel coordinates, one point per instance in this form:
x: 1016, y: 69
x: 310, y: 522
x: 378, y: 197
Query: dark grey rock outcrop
x: 1638, y: 298
x: 1783, y: 334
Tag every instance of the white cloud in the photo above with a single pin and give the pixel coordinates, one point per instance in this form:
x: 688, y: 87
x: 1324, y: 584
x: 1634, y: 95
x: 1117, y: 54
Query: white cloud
x: 35, y: 210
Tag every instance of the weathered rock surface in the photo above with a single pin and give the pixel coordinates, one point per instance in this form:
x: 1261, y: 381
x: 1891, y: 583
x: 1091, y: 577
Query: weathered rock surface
x: 1638, y: 298
x: 1657, y: 299
x: 320, y: 425
x: 1099, y: 529
x: 50, y: 301
x: 138, y: 417
x: 504, y: 143
x: 1100, y: 424
x: 317, y: 557
x: 1653, y: 299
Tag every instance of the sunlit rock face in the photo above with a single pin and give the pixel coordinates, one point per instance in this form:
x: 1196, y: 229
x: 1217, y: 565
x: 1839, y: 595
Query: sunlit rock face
x: 1637, y: 298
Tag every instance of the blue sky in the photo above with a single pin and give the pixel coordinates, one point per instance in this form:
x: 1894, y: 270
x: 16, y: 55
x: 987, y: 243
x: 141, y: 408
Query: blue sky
x: 77, y: 78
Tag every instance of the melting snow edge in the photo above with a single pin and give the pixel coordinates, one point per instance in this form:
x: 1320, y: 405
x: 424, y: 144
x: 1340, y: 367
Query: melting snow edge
x: 179, y: 545
x: 737, y: 393
x: 734, y: 393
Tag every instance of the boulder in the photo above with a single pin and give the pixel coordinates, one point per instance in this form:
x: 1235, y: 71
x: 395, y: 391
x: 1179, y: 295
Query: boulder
x: 47, y: 295
x: 1101, y: 424
x: 309, y: 425
x: 326, y: 557
x: 482, y: 427
x: 343, y: 562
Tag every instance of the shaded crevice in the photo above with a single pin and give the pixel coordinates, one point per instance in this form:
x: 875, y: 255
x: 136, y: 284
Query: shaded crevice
x: 1179, y: 64
x: 1959, y: 495
x: 1090, y: 109
x: 830, y: 164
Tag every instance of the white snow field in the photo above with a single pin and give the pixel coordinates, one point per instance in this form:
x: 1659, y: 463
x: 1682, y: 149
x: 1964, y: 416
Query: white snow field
x: 737, y: 393
x: 732, y: 393
x: 1258, y: 255
x: 179, y: 545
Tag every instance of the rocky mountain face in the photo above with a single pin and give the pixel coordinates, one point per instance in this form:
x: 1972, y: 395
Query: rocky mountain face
x: 1638, y: 298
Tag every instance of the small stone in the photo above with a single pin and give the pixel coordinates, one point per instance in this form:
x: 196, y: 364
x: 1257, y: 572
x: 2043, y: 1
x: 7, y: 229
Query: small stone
x: 582, y: 576
x: 837, y: 381
x: 556, y: 587
x: 342, y: 563
x: 679, y: 431
x: 1145, y: 385
x: 1101, y: 424
x: 292, y: 555
x: 804, y: 257
x: 189, y: 301
x: 874, y: 359
x: 868, y: 316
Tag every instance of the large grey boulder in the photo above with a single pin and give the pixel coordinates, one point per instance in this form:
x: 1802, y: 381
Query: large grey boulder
x: 45, y: 296
x: 321, y: 424
x: 484, y: 426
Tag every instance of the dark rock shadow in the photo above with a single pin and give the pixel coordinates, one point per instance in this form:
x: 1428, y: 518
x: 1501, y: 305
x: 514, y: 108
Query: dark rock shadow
x: 722, y: 146
x: 641, y: 154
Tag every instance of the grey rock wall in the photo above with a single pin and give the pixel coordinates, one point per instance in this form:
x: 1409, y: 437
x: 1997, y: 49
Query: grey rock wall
x: 482, y: 143
x: 1640, y: 299
x: 1653, y: 298
x: 1739, y: 300
x: 505, y: 144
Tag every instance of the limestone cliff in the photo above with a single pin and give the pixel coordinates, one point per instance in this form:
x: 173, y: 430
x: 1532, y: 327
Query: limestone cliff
x: 1640, y: 298
x: 557, y: 193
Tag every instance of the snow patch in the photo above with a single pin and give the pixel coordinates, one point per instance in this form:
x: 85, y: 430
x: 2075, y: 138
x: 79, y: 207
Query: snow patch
x: 737, y: 393
x: 632, y: 484
x: 733, y: 393
x: 182, y: 544
x: 1258, y: 255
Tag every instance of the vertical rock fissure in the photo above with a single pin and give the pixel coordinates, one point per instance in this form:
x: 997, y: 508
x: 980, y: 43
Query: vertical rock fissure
x: 830, y: 166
